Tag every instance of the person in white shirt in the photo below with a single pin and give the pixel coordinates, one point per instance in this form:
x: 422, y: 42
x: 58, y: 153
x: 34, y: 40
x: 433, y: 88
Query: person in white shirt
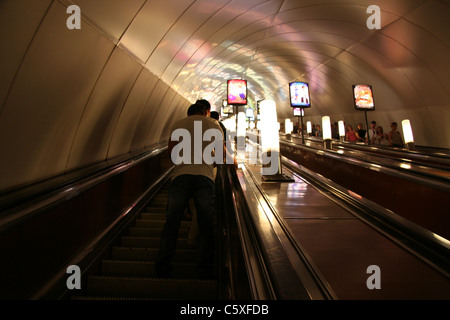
x: 371, y: 133
x: 193, y: 177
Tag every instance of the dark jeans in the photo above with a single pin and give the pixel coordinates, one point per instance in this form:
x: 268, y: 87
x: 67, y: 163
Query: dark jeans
x: 183, y: 188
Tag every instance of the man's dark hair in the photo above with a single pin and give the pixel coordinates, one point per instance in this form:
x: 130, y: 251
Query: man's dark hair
x: 205, y: 104
x: 214, y: 115
x: 374, y: 122
x: 196, y: 109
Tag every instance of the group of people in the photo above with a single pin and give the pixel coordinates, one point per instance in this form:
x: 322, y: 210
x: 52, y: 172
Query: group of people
x: 374, y: 135
x: 191, y: 181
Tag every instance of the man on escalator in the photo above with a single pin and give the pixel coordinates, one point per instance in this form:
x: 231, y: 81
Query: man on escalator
x: 193, y: 177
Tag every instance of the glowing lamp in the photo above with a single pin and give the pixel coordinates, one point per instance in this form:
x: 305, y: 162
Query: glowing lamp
x: 241, y: 129
x: 287, y: 126
x: 326, y: 128
x: 341, y: 130
x: 270, y: 143
x: 326, y: 132
x: 408, y: 134
x: 269, y: 133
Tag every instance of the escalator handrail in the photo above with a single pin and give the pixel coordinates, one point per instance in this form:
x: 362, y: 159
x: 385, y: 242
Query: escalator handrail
x: 443, y: 158
x: 32, y: 208
x: 289, y: 274
x: 86, y: 257
x: 388, y: 153
x: 261, y: 287
x: 428, y: 246
x: 415, y: 177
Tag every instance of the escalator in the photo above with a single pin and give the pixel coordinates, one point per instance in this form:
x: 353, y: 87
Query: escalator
x: 128, y: 270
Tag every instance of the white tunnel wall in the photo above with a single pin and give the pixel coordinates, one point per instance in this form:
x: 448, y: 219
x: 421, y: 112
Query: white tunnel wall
x: 72, y: 98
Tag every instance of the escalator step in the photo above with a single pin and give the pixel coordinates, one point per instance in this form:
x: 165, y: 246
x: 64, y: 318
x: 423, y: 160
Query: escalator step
x: 158, y: 202
x: 148, y: 242
x: 151, y: 254
x: 153, y: 232
x: 159, y: 217
x: 120, y: 268
x: 145, y: 223
x: 156, y: 210
x: 153, y: 216
x: 151, y: 288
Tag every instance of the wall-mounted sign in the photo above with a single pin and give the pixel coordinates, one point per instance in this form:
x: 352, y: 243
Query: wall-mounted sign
x: 299, y: 94
x: 363, y: 97
x: 237, y: 92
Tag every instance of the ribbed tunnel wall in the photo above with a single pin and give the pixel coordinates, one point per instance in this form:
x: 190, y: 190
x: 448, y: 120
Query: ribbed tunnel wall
x: 72, y: 98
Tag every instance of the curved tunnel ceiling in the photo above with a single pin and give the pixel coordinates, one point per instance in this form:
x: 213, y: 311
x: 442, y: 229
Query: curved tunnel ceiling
x: 196, y: 46
x: 70, y: 98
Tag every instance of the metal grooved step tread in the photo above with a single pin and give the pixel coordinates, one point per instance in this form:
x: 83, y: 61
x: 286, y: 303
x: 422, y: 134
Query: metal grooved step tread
x: 129, y: 271
x: 152, y: 288
x: 144, y: 268
x: 150, y: 254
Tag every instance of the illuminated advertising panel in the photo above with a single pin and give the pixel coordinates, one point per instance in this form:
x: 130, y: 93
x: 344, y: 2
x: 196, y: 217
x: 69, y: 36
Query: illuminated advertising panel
x: 237, y: 92
x: 249, y: 113
x: 298, y: 112
x: 363, y: 97
x: 299, y: 94
x: 228, y: 110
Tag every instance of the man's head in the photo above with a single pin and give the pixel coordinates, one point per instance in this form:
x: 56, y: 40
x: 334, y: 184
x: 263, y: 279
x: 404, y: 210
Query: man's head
x: 373, y: 124
x: 206, y: 105
x: 196, y: 109
x: 215, y: 115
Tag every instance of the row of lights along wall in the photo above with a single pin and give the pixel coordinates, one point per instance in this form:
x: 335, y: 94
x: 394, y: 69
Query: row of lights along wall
x: 299, y: 99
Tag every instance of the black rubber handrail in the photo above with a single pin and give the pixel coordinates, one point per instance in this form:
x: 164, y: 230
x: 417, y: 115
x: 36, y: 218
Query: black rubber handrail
x: 259, y: 280
x: 426, y: 245
x: 30, y: 208
x: 421, y: 242
x: 406, y: 174
x: 88, y: 255
x: 431, y: 160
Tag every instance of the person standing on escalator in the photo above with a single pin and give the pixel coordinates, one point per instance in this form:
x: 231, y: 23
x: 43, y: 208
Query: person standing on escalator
x: 395, y: 137
x: 192, y: 178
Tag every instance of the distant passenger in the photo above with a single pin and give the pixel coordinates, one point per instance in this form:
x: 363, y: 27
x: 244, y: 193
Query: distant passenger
x: 318, y: 131
x: 394, y: 136
x: 335, y: 131
x: 215, y: 115
x: 190, y: 180
x: 372, y: 133
x: 206, y: 105
x: 350, y: 134
x: 381, y: 138
x: 361, y: 133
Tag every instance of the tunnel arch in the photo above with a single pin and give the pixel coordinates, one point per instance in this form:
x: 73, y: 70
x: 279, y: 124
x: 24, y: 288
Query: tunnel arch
x: 73, y: 98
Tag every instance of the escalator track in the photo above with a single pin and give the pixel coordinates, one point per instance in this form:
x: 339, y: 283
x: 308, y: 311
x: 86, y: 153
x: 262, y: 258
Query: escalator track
x: 128, y: 270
